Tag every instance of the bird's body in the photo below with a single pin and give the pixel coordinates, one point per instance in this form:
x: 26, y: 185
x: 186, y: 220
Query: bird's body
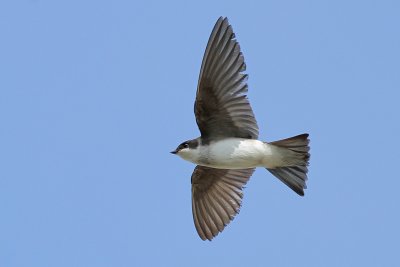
x: 228, y: 150
x: 235, y: 153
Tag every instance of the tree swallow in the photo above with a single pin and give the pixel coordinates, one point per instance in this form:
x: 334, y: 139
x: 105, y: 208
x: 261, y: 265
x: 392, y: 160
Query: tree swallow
x: 228, y: 150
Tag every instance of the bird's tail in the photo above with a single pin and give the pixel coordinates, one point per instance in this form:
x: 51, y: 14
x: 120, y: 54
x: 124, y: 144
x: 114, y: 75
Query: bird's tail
x: 294, y: 174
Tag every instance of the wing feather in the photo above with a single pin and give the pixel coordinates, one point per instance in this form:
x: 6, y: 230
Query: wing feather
x: 222, y: 83
x: 216, y: 198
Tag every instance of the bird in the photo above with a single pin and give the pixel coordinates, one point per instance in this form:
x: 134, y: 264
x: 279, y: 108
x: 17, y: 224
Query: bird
x: 228, y: 150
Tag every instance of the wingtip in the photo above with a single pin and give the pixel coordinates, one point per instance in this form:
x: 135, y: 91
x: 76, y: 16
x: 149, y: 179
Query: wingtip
x: 223, y: 20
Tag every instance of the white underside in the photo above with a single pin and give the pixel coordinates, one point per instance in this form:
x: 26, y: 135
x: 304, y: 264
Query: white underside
x: 235, y: 153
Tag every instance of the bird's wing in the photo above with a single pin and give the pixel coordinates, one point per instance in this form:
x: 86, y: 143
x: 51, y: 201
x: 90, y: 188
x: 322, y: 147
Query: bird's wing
x: 221, y: 107
x: 216, y: 198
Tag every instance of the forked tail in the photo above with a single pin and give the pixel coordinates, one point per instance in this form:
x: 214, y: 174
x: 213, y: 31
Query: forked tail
x: 294, y: 174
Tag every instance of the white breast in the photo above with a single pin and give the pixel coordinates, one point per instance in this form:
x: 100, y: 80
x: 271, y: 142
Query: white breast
x: 235, y: 153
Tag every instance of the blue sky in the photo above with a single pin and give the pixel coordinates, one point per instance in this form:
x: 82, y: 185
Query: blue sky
x: 94, y: 95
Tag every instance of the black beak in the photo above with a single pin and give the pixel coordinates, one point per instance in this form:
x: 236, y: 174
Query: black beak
x: 174, y: 152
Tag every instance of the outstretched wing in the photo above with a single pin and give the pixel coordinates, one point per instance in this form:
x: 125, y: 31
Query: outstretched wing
x: 216, y: 198
x: 221, y: 107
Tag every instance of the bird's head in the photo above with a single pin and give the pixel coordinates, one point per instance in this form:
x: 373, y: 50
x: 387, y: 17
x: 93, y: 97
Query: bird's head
x: 187, y: 149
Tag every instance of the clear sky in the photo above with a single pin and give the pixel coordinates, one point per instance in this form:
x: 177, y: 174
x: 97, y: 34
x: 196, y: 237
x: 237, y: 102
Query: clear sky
x: 94, y: 95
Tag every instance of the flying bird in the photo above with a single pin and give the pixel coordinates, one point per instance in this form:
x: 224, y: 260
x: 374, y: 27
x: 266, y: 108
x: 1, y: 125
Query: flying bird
x: 228, y: 150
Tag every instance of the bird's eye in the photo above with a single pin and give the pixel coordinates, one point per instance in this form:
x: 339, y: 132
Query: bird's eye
x: 185, y: 145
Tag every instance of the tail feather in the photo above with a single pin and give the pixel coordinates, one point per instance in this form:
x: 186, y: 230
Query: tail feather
x: 294, y: 176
